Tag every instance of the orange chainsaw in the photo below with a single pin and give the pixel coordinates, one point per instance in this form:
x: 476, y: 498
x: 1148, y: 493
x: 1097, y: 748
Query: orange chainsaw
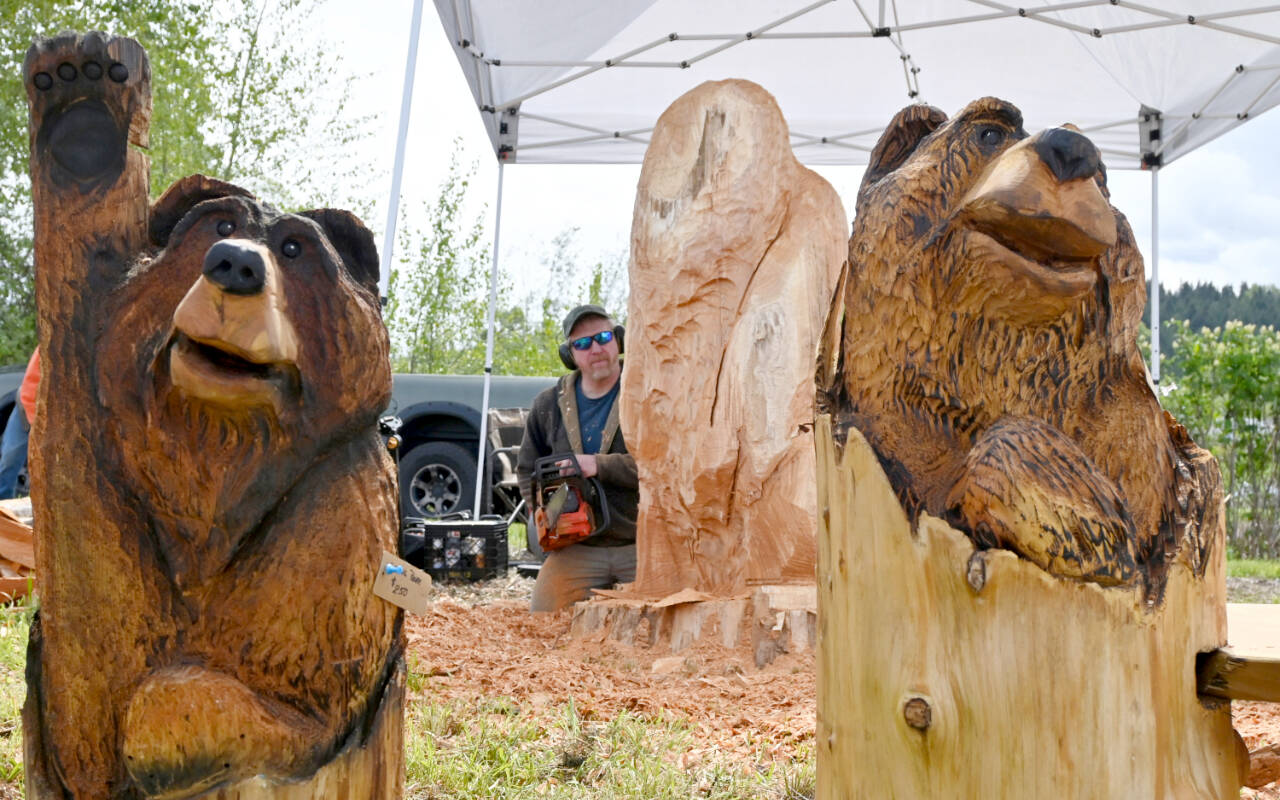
x: 570, y: 507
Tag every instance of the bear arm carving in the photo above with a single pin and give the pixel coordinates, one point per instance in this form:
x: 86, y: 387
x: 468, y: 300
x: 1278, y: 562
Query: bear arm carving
x: 188, y: 729
x: 89, y: 186
x: 1028, y: 488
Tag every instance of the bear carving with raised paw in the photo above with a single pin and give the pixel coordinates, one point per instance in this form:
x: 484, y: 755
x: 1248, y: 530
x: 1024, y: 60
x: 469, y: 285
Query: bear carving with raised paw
x: 211, y: 494
x: 984, y: 340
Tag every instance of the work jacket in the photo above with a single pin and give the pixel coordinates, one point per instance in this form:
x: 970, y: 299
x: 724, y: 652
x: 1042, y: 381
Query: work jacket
x: 552, y: 428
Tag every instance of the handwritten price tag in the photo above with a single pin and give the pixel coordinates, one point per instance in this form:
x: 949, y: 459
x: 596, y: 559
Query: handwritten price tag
x: 402, y: 584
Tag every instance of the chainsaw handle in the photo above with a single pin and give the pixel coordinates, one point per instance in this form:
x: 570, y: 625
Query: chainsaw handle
x: 604, y: 505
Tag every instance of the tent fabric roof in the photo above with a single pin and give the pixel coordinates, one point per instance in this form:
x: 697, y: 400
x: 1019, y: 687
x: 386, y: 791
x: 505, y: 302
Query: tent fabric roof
x: 583, y: 81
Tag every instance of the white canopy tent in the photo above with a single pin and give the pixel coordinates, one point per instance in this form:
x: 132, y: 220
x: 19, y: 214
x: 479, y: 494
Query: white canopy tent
x: 584, y: 81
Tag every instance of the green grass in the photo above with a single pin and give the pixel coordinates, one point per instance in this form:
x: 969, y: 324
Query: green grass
x: 15, y: 622
x: 516, y: 541
x: 496, y: 749
x: 1253, y: 568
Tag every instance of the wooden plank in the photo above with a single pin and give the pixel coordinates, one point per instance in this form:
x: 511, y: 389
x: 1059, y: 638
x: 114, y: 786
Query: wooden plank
x: 1237, y: 676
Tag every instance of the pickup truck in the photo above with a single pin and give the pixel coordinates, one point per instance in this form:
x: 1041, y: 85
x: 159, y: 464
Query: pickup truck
x: 440, y: 434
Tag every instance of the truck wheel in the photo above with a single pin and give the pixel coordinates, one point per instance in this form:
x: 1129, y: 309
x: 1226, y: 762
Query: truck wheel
x: 531, y: 541
x: 437, y: 478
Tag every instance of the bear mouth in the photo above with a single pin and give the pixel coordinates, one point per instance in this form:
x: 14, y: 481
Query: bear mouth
x: 1027, y: 246
x: 215, y: 371
x: 1024, y: 252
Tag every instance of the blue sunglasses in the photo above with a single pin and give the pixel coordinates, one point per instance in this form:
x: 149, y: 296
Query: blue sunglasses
x: 584, y: 343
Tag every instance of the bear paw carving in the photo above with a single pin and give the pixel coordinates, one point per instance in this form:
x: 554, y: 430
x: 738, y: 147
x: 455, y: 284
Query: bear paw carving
x: 188, y: 729
x: 1029, y: 488
x: 85, y: 92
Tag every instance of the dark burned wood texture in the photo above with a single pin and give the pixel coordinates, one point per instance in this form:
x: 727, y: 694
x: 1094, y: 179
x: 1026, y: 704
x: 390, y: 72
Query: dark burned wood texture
x: 212, y: 499
x: 984, y: 339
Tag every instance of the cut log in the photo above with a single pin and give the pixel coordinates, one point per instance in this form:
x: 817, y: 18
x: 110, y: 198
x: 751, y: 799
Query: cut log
x: 945, y: 671
x: 773, y: 619
x: 735, y: 250
x: 785, y: 620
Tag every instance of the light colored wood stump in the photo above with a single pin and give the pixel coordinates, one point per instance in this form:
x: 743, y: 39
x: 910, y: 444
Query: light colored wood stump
x: 774, y: 619
x: 944, y: 671
x: 785, y: 620
x: 735, y: 250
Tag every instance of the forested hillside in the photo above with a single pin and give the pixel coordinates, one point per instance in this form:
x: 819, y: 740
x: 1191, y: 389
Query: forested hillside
x: 1206, y: 306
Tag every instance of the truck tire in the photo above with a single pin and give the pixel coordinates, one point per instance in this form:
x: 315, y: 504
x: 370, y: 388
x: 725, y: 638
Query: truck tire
x: 531, y: 541
x: 437, y: 478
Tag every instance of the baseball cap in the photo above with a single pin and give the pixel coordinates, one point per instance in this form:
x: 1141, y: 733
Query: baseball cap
x: 589, y: 310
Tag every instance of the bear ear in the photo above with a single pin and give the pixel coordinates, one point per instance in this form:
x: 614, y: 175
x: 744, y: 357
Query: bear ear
x: 352, y: 240
x: 181, y: 197
x: 899, y: 140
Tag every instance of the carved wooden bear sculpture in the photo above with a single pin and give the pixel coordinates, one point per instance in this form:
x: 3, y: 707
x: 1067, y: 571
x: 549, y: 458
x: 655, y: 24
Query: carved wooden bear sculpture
x: 211, y: 495
x: 988, y: 350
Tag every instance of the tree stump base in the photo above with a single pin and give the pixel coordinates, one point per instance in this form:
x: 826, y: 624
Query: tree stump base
x: 945, y: 671
x: 774, y: 619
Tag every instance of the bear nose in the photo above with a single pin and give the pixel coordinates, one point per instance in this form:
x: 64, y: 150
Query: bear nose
x: 1069, y: 155
x: 235, y: 267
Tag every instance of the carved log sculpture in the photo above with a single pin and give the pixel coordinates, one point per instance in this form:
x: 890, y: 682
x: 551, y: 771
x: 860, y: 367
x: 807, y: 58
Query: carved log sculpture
x: 735, y: 251
x: 1021, y: 554
x: 213, y: 497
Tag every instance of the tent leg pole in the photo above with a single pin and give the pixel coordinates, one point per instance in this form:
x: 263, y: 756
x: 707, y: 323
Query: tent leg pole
x: 488, y: 353
x: 1155, y: 275
x: 397, y: 171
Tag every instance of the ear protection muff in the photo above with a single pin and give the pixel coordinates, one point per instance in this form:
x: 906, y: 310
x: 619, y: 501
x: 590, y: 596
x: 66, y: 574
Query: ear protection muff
x: 566, y: 349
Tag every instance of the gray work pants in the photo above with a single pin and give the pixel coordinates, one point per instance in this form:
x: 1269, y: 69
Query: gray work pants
x: 569, y: 574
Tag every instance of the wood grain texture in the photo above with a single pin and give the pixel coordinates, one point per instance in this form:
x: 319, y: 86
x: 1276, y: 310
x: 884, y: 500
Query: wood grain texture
x: 735, y: 249
x: 1020, y: 552
x: 985, y: 343
x: 1036, y: 686
x: 211, y: 502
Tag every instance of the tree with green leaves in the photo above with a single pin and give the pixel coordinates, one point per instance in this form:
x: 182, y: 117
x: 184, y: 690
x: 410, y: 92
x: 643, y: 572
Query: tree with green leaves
x: 565, y: 285
x: 1228, y: 395
x: 233, y: 97
x: 438, y: 292
x: 437, y: 302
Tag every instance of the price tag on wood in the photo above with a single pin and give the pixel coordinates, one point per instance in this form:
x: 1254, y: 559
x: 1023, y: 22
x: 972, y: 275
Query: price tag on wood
x: 402, y: 584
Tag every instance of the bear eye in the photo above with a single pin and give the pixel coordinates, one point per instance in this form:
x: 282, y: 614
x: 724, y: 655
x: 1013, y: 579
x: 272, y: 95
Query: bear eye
x: 291, y: 248
x: 226, y: 227
x: 991, y: 136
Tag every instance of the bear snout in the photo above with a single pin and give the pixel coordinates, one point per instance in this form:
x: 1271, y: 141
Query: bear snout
x: 1067, y: 154
x: 236, y: 266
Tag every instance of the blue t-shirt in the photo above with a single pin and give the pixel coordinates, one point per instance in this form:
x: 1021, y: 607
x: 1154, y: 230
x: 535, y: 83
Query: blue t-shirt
x: 593, y: 414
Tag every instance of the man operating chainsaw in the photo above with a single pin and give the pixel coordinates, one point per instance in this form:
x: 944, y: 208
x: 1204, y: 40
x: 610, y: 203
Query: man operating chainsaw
x: 575, y: 471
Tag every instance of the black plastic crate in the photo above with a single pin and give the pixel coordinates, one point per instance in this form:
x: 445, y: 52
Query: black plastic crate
x: 456, y: 550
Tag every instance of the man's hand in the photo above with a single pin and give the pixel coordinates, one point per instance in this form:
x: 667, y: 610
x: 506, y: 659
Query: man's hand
x: 587, y: 463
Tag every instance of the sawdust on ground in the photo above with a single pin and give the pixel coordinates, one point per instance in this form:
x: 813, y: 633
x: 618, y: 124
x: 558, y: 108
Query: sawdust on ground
x: 471, y: 647
x: 479, y: 640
